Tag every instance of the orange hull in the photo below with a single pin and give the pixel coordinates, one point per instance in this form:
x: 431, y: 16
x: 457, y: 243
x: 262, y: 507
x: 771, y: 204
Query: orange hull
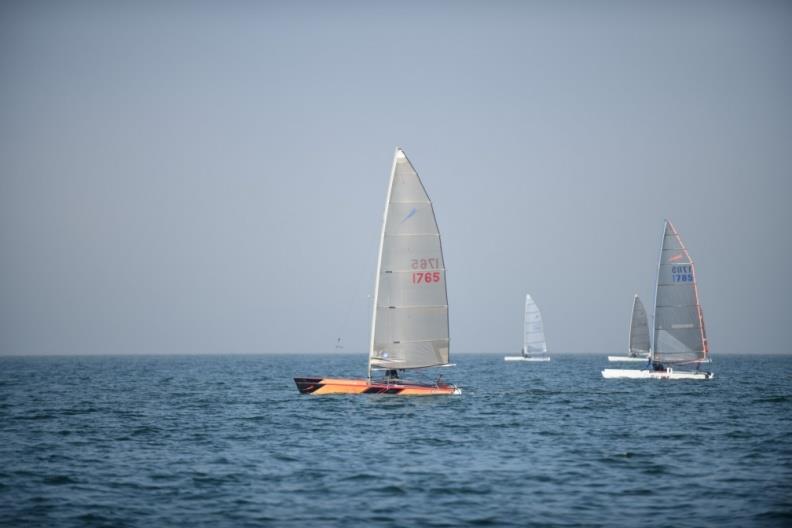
x: 364, y: 386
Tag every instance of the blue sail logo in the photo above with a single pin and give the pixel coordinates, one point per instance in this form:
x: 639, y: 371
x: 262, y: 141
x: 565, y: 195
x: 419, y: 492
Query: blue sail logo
x: 409, y: 215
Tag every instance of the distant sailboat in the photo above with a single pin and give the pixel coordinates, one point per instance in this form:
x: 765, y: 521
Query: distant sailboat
x: 639, y: 335
x: 409, y: 327
x: 533, y: 335
x: 680, y: 341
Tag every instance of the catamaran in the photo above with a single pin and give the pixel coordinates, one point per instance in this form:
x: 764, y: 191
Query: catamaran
x: 639, y: 335
x: 533, y: 335
x: 409, y: 324
x: 680, y: 341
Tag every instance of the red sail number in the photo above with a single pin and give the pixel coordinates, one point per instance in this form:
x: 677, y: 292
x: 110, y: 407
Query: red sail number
x: 425, y: 277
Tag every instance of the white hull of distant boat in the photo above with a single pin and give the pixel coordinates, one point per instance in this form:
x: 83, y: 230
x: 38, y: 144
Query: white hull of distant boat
x: 522, y: 358
x: 655, y: 374
x: 627, y: 358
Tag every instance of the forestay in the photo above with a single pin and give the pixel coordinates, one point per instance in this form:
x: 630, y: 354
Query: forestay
x: 534, y: 338
x: 679, y: 335
x: 410, y: 319
x: 639, y: 330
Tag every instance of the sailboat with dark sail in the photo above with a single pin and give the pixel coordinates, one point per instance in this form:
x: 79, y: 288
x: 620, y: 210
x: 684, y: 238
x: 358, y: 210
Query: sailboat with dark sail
x: 680, y: 340
x: 639, y: 335
x: 409, y: 326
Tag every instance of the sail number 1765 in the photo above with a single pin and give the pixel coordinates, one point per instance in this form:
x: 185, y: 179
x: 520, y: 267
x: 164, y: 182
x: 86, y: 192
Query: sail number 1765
x: 425, y: 277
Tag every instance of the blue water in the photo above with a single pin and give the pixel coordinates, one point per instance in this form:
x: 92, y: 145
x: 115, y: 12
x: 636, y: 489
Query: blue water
x: 228, y: 441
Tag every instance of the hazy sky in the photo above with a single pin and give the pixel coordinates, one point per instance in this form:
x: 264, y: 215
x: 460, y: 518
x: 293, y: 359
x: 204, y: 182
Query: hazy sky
x: 210, y: 178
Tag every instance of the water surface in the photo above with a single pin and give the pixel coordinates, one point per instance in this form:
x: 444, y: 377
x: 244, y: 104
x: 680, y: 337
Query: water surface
x: 228, y: 441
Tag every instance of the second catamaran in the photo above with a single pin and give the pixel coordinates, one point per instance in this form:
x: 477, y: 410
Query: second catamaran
x: 409, y: 326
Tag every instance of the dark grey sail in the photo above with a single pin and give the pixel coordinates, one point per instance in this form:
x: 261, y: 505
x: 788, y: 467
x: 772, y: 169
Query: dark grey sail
x: 639, y: 330
x: 679, y: 335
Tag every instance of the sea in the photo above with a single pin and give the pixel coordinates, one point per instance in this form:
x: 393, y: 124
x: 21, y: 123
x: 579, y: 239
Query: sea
x: 227, y: 440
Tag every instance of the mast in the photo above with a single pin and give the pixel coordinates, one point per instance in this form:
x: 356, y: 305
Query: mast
x: 379, y: 255
x: 657, y: 286
x: 525, y: 326
x: 632, y: 323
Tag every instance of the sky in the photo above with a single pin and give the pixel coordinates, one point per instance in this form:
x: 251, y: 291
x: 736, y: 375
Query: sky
x: 210, y: 177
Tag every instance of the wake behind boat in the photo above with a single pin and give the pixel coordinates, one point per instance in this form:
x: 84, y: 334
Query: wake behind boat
x: 409, y: 326
x: 533, y: 335
x: 680, y: 341
x: 639, y: 335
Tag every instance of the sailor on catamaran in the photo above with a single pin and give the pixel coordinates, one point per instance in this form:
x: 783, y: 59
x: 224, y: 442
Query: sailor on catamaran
x: 657, y: 367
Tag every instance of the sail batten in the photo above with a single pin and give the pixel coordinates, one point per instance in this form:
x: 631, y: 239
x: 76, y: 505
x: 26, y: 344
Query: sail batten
x: 679, y: 335
x: 410, y: 313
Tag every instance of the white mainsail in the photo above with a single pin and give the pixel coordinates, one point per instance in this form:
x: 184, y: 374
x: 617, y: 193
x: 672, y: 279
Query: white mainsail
x: 679, y: 335
x: 533, y: 338
x: 639, y: 330
x: 410, y: 320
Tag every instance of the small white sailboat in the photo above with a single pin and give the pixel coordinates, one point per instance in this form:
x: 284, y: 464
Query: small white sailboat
x: 680, y: 341
x: 533, y: 335
x: 409, y: 324
x: 639, y: 335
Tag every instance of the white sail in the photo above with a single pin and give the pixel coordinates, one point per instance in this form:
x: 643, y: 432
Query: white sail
x: 410, y: 319
x: 679, y: 335
x: 533, y: 338
x: 639, y: 330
